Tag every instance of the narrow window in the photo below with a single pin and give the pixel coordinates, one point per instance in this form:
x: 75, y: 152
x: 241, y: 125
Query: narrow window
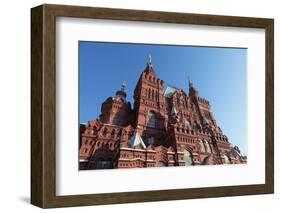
x: 151, y: 119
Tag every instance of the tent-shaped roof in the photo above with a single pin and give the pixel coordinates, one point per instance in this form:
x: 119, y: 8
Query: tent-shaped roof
x: 136, y: 140
x: 169, y: 91
x: 174, y: 111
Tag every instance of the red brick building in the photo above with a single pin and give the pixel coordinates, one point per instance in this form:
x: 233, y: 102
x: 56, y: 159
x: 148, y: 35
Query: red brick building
x: 165, y: 127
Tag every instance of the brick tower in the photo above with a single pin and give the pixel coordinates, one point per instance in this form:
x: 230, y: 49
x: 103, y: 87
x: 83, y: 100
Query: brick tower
x: 150, y: 108
x: 116, y: 111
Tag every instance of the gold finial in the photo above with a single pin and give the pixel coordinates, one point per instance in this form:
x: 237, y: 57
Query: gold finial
x: 123, y: 86
x: 149, y: 59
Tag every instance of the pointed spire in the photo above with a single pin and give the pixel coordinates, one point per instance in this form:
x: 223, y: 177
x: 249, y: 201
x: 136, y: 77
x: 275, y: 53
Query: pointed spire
x: 189, y: 82
x: 149, y: 59
x: 149, y: 62
x: 192, y: 89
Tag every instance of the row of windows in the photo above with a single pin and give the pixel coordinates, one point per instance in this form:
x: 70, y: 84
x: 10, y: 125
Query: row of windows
x: 86, y: 142
x: 85, y: 151
x: 205, y: 147
x: 151, y: 78
x: 188, y: 125
x: 150, y: 157
x: 187, y: 131
x: 152, y: 94
x: 159, y: 164
x: 139, y: 156
x: 117, y: 106
x: 149, y: 103
x: 187, y: 158
x: 221, y: 138
x: 186, y: 140
x: 130, y: 164
x: 125, y: 155
x: 113, y: 132
x: 123, y: 164
x: 110, y: 145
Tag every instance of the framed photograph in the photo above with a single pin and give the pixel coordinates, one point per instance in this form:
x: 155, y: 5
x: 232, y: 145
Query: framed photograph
x: 138, y: 106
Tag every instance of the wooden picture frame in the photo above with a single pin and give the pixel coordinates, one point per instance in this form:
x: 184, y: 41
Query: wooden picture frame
x: 43, y: 105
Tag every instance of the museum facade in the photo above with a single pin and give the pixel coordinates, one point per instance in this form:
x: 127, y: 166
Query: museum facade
x: 164, y: 127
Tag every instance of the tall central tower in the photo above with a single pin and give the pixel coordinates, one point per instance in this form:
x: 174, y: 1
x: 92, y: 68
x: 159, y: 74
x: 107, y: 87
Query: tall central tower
x: 150, y: 106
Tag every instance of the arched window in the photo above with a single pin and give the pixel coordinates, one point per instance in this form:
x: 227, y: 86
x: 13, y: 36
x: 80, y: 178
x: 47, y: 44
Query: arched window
x: 205, y: 120
x: 226, y: 159
x: 187, y: 157
x: 194, y: 126
x: 151, y: 119
x: 208, y: 148
x: 202, y: 148
x: 187, y: 124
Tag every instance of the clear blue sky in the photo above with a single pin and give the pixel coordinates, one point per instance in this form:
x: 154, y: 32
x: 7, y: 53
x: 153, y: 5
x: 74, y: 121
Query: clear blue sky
x: 219, y: 74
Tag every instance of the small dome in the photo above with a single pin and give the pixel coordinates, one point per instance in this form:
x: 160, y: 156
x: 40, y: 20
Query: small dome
x: 121, y: 93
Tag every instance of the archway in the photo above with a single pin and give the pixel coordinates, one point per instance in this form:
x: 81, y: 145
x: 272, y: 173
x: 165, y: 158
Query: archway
x: 187, y: 157
x: 226, y: 159
x: 104, y: 164
x: 160, y: 164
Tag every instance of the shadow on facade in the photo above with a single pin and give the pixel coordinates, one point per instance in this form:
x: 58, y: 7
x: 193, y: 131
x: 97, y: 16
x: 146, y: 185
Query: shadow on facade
x: 155, y: 131
x: 104, y: 158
